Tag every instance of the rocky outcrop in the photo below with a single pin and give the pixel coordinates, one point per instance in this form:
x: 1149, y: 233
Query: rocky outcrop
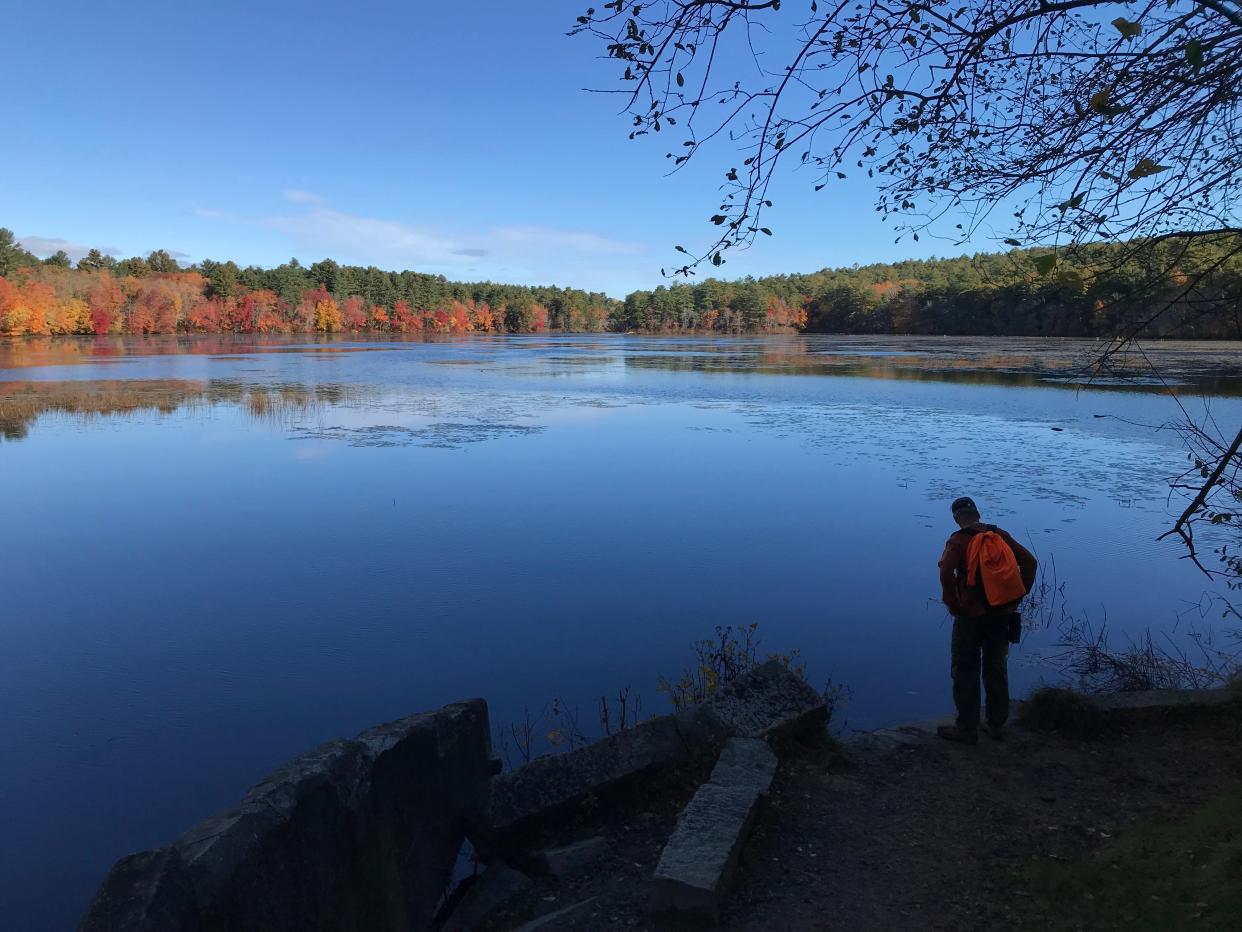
x: 767, y: 702
x: 361, y: 835
x: 355, y: 836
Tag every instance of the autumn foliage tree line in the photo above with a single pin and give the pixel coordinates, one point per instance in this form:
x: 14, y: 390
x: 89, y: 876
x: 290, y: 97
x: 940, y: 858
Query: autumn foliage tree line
x: 155, y: 294
x: 1191, y: 290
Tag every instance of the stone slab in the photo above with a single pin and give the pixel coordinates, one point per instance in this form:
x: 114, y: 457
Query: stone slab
x: 697, y: 864
x: 493, y: 890
x: 770, y: 701
x: 746, y: 763
x: 885, y: 740
x: 525, y: 799
x: 701, y: 854
x: 1162, y: 698
x: 570, y: 861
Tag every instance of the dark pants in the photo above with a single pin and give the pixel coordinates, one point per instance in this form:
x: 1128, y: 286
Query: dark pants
x: 983, y: 639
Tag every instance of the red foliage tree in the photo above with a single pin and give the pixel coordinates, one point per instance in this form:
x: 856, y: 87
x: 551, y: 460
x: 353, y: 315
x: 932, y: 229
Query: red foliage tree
x: 238, y: 314
x: 207, y: 316
x: 105, y: 301
x: 270, y: 311
x: 405, y: 320
x: 353, y: 314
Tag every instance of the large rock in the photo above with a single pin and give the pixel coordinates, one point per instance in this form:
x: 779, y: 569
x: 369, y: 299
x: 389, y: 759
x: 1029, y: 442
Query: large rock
x: 355, y: 835
x: 697, y: 863
x: 768, y: 702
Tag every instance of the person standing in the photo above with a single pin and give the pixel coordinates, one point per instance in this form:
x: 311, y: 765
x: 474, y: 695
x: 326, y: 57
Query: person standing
x: 976, y: 574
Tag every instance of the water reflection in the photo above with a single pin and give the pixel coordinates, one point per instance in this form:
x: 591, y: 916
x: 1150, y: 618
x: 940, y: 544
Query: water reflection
x: 1207, y: 374
x: 1202, y: 367
x: 24, y: 402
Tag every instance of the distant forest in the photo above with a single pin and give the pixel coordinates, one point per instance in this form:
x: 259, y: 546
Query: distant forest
x: 1098, y: 291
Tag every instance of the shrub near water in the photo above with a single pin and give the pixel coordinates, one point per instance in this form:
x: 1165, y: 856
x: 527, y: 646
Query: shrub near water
x: 1063, y: 711
x: 718, y: 662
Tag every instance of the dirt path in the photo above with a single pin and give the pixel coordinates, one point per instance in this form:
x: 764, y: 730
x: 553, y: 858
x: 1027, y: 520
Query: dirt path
x: 943, y: 836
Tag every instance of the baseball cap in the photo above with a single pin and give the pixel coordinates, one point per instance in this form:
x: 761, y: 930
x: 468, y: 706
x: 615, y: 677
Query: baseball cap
x: 965, y: 503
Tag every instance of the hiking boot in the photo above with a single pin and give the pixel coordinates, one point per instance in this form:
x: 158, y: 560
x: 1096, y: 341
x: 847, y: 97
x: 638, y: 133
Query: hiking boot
x: 960, y: 735
x: 995, y: 732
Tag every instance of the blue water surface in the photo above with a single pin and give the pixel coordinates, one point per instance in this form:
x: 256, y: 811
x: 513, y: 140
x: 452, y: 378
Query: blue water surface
x: 219, y: 554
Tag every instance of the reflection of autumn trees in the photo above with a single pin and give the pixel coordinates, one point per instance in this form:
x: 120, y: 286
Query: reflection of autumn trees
x: 51, y: 351
x: 21, y: 403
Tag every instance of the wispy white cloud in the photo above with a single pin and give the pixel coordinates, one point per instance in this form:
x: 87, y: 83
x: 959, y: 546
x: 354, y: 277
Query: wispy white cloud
x: 335, y: 233
x: 407, y: 245
x: 517, y: 253
x: 44, y: 246
x: 298, y: 196
x: 549, y: 240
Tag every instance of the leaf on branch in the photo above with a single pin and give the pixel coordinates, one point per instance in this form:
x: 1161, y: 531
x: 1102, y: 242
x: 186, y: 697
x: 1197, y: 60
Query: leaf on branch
x: 681, y: 82
x: 1145, y: 168
x: 1045, y: 264
x: 718, y: 219
x: 1127, y: 29
x: 1074, y: 201
x: 765, y: 231
x: 1194, y: 54
x: 1099, y: 102
x: 1012, y: 242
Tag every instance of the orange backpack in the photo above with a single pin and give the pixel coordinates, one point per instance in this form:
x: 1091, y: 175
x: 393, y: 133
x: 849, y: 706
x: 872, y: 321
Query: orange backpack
x: 988, y: 555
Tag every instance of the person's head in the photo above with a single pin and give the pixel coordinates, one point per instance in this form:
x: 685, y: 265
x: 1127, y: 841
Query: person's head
x: 965, y: 511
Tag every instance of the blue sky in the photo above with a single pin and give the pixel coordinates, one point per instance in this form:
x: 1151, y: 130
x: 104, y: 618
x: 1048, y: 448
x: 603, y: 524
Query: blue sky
x: 453, y: 138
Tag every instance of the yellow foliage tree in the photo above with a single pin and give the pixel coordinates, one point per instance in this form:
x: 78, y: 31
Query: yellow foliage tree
x: 327, y: 314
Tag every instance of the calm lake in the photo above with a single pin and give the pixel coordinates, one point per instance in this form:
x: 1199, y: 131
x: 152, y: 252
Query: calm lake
x: 218, y: 553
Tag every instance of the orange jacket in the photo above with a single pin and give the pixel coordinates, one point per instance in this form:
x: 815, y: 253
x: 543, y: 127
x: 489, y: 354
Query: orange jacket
x: 965, y: 601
